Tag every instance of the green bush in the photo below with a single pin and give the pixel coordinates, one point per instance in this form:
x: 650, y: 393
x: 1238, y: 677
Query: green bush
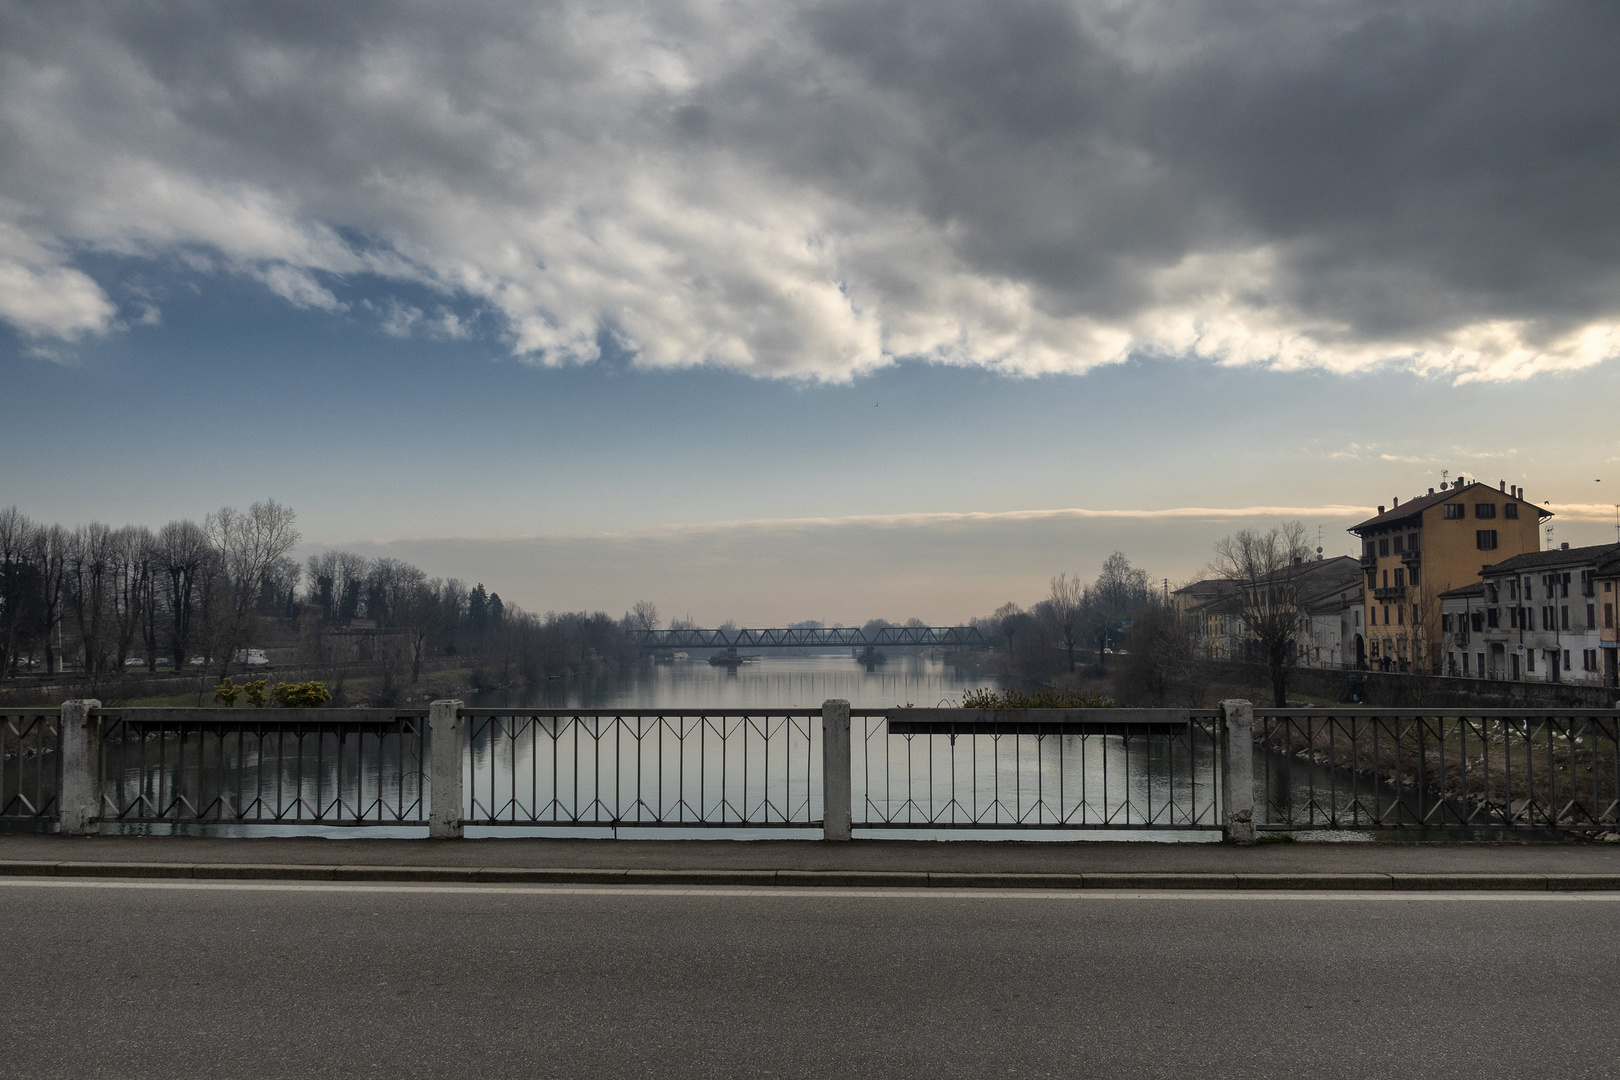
x: 304, y: 695
x: 227, y: 692
x: 1047, y: 698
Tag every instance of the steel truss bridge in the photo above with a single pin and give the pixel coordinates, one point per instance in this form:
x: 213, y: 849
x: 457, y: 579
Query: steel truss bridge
x: 830, y: 637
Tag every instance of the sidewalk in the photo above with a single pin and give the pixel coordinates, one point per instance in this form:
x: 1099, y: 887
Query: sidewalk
x: 887, y: 863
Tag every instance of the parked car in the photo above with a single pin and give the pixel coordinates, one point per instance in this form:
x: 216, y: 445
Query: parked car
x: 252, y: 658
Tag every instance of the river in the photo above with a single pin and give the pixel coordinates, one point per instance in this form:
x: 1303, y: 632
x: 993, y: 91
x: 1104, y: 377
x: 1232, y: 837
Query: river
x: 786, y: 682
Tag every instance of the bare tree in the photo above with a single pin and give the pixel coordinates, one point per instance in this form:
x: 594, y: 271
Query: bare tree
x: 88, y: 583
x: 1266, y: 568
x: 183, y: 554
x: 50, y: 556
x: 18, y: 584
x: 644, y: 616
x: 1065, y: 607
x: 248, y: 545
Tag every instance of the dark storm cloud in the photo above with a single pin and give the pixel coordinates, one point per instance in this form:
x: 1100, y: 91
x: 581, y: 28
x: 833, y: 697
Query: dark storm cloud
x: 815, y: 190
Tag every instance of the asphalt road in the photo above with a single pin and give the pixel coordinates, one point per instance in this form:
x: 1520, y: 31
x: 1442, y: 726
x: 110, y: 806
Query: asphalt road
x: 249, y: 980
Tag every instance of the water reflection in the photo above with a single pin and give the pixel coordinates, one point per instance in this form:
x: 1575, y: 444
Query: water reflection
x: 790, y: 682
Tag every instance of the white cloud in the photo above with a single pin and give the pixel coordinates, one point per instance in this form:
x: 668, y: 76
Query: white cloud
x: 814, y: 191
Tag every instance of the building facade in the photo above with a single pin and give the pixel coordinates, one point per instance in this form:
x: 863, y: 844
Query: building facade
x: 1412, y: 553
x: 1536, y: 617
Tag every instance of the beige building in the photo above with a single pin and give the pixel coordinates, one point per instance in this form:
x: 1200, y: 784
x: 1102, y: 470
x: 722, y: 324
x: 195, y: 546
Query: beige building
x: 1412, y: 552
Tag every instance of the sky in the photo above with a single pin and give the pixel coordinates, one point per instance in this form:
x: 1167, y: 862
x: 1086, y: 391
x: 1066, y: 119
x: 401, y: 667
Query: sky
x: 822, y: 310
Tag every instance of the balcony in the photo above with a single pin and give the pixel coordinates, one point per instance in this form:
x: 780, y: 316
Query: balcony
x: 1411, y: 558
x: 1368, y: 562
x: 1394, y: 592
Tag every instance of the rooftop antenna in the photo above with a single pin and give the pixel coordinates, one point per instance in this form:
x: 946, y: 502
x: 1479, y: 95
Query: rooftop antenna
x: 1445, y: 474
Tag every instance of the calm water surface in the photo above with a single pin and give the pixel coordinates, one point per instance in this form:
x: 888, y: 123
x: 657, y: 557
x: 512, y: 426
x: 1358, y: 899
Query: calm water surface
x: 789, y: 682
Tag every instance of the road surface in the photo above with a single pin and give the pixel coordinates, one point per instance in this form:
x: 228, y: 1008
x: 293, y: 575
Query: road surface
x: 168, y: 979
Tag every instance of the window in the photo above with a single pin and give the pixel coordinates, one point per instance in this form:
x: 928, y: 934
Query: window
x: 1563, y: 617
x: 1453, y: 512
x: 1400, y: 615
x: 1546, y: 618
x: 1465, y: 663
x: 1414, y: 575
x: 1400, y: 545
x: 1608, y: 616
x: 1372, y: 616
x: 1513, y: 589
x: 1490, y: 592
x: 1383, y: 547
x: 1591, y: 616
x: 1529, y: 593
x: 1386, y: 614
x: 1400, y: 578
x: 1372, y: 550
x: 1484, y: 510
x: 1513, y: 618
x: 1511, y: 510
x: 1566, y: 659
x: 1485, y: 539
x: 1563, y: 585
x: 1477, y: 618
x: 1491, y: 617
x: 1480, y: 666
x: 1412, y: 542
x: 1530, y: 661
x: 1445, y: 624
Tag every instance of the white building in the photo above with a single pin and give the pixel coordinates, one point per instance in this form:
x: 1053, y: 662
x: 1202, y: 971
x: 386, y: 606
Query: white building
x: 1534, y: 617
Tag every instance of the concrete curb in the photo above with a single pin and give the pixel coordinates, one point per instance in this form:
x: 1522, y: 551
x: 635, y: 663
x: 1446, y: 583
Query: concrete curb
x: 1362, y: 882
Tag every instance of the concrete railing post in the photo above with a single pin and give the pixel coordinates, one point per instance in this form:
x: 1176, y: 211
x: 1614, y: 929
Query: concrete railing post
x: 836, y: 814
x: 1237, y: 771
x: 445, y: 726
x: 78, y: 800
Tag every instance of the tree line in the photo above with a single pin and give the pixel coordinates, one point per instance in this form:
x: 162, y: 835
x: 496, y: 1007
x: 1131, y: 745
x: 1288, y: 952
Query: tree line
x: 103, y: 599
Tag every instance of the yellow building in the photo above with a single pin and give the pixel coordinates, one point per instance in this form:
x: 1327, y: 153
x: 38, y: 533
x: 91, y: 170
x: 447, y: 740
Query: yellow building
x: 1412, y: 552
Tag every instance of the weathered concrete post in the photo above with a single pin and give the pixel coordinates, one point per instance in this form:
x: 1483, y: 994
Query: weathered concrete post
x: 78, y: 800
x: 1237, y: 770
x: 445, y: 728
x: 836, y: 813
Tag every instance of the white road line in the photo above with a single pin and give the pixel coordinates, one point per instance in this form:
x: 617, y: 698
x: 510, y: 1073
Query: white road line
x: 803, y: 893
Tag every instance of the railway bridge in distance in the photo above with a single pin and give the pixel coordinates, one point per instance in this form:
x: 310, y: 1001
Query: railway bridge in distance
x: 825, y: 637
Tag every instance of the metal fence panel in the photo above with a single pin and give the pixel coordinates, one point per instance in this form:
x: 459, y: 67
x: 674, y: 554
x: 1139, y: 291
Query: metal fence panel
x: 1484, y: 768
x: 683, y: 767
x: 263, y: 766
x: 30, y: 765
x: 1040, y: 769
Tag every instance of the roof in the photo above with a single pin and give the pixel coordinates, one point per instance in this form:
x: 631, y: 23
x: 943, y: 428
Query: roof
x: 1532, y: 560
x: 1416, y: 506
x: 1467, y: 591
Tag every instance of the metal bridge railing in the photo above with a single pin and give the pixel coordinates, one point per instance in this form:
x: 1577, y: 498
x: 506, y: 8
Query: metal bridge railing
x: 1037, y: 769
x: 1484, y: 768
x: 30, y: 766
x: 671, y: 767
x: 262, y: 766
x: 834, y: 768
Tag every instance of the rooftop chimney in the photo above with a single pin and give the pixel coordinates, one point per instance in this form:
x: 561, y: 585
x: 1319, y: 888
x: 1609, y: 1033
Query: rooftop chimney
x: 1431, y: 491
x: 1501, y: 485
x: 1395, y: 501
x: 1564, y: 546
x: 1380, y: 509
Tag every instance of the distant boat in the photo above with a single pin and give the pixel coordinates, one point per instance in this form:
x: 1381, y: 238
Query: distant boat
x: 871, y: 657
